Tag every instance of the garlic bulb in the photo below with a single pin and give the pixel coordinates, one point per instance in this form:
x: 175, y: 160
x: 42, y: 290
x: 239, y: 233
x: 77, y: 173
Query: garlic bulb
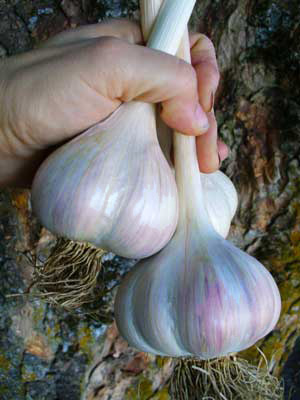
x: 220, y: 195
x: 111, y: 186
x: 220, y: 200
x: 200, y: 295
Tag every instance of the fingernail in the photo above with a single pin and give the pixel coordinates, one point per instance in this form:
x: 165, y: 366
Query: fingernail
x: 202, y: 123
x: 212, y: 101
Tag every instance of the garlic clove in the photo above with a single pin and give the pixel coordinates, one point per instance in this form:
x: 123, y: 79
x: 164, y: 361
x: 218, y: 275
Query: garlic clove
x: 111, y: 186
x: 199, y: 296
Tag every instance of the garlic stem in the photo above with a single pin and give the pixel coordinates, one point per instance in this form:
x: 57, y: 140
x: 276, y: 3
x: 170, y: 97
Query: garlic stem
x: 186, y: 164
x: 170, y: 25
x: 149, y: 11
x: 167, y: 34
x: 221, y: 205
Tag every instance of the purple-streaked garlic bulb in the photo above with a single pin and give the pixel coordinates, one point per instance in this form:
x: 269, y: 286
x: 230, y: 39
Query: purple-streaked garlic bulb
x: 200, y: 296
x: 110, y: 186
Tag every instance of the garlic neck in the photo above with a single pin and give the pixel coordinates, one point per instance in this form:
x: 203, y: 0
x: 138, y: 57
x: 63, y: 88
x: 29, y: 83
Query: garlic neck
x: 190, y: 191
x: 126, y: 117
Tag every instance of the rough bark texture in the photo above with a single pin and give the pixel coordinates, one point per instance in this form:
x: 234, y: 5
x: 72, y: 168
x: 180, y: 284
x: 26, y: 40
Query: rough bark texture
x: 49, y: 354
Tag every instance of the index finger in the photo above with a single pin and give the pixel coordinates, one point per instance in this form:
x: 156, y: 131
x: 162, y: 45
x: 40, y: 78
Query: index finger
x: 118, y: 28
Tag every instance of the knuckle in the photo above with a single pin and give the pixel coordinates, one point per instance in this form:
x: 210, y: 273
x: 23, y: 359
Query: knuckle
x: 126, y: 29
x: 106, y: 47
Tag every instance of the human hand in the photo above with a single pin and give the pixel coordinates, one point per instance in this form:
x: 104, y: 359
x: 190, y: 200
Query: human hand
x: 79, y: 77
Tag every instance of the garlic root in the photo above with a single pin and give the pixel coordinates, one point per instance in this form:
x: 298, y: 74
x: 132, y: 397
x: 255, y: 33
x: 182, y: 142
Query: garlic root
x: 227, y: 378
x: 68, y: 278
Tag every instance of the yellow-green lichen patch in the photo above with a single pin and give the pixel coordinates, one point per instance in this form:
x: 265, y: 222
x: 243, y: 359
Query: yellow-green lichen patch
x: 86, y: 340
x: 161, y: 361
x: 162, y: 395
x: 4, y: 363
x: 141, y: 391
x: 29, y: 377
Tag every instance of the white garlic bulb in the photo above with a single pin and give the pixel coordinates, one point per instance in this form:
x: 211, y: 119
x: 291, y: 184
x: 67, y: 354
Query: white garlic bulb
x: 220, y: 200
x: 220, y: 195
x: 110, y: 186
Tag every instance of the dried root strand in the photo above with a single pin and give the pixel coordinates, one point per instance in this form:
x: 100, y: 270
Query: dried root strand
x: 228, y: 378
x: 68, y: 278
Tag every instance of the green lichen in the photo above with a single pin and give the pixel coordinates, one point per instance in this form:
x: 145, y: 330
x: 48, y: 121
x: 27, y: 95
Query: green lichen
x: 161, y: 361
x: 4, y: 363
x: 141, y: 391
x: 162, y: 395
x: 29, y: 377
x: 86, y: 340
x: 38, y: 313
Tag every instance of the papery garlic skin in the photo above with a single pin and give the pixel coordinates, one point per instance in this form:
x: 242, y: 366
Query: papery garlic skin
x: 220, y: 199
x: 110, y: 186
x: 200, y: 296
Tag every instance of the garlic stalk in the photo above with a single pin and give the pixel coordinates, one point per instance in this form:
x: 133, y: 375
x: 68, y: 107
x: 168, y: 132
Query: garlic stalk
x: 111, y: 186
x: 200, y: 296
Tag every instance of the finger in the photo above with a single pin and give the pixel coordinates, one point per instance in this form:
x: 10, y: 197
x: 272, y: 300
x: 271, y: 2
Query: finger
x: 204, y: 60
x: 139, y: 73
x: 74, y: 39
x: 118, y: 28
x: 44, y: 54
x: 207, y: 148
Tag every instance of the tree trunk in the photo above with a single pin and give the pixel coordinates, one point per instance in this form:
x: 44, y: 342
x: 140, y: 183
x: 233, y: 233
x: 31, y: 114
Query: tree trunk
x: 46, y: 353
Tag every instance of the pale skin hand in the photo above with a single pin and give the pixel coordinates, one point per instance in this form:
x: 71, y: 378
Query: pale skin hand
x: 79, y: 77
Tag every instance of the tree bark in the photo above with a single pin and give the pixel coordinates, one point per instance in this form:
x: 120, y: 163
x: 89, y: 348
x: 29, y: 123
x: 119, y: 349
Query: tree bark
x: 47, y: 353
